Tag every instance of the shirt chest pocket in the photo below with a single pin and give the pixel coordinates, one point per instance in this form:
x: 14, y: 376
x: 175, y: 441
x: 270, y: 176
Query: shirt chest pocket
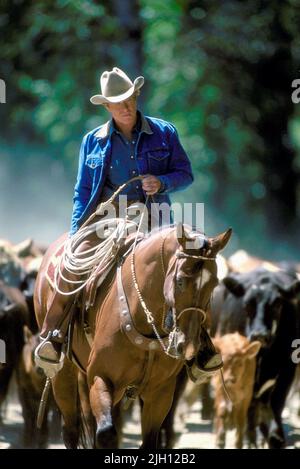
x: 158, y: 159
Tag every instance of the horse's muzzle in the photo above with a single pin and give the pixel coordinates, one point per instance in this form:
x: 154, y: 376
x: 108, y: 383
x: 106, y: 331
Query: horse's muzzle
x: 179, y: 346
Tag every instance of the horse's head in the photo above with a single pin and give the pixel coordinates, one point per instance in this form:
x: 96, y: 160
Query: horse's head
x: 190, y: 279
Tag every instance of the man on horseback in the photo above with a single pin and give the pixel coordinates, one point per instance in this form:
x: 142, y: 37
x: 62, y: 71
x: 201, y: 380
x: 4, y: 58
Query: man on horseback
x: 127, y: 146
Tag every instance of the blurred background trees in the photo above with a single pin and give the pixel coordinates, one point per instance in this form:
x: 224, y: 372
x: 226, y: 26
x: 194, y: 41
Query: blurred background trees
x: 220, y: 71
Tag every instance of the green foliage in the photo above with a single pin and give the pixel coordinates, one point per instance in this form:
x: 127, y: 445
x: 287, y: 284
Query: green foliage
x: 220, y: 71
x: 208, y: 81
x: 51, y: 67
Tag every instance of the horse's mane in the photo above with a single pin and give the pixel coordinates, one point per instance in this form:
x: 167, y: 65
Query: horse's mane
x: 161, y: 229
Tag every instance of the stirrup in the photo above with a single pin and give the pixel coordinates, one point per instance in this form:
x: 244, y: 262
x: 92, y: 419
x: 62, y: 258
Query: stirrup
x: 50, y: 367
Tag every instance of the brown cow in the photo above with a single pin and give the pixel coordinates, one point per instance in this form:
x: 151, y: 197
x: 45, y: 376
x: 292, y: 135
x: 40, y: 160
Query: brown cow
x: 238, y: 356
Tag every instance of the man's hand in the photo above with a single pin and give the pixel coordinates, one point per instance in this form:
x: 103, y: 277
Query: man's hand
x: 151, y: 184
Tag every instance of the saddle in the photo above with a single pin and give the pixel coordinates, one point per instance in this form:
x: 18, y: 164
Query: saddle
x: 79, y: 332
x: 98, y: 276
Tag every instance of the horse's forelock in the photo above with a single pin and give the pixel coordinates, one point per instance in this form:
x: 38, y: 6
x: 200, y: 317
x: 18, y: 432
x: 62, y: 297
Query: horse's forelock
x: 197, y: 244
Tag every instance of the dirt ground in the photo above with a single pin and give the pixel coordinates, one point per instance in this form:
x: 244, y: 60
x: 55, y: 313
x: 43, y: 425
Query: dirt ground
x: 192, y: 432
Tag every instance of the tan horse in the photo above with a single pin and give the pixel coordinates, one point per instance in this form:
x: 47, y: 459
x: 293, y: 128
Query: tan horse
x: 162, y: 290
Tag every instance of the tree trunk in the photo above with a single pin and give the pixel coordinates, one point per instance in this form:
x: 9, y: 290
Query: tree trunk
x: 129, y: 54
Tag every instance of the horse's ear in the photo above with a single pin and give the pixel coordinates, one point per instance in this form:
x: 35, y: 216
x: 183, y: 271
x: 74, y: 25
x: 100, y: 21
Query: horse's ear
x: 219, y: 242
x: 181, y: 234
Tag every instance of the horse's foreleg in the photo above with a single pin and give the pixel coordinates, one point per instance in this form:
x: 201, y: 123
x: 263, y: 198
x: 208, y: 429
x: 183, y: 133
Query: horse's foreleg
x: 86, y: 411
x: 156, y: 405
x: 101, y: 404
x: 167, y: 436
x: 66, y: 396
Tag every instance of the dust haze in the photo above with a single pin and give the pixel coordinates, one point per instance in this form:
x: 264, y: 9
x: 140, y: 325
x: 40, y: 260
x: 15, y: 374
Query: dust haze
x: 35, y: 197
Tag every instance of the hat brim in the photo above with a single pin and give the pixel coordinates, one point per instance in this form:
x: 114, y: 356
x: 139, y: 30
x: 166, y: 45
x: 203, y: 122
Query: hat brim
x: 100, y: 99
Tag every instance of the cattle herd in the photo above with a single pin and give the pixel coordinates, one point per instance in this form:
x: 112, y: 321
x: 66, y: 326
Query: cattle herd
x: 254, y: 321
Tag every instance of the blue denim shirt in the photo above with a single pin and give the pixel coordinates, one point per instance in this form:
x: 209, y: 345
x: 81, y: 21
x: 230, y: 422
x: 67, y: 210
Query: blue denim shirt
x: 123, y: 165
x: 158, y: 152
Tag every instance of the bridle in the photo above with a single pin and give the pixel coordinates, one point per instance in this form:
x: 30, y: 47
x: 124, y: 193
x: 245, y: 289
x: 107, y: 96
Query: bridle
x: 173, y: 334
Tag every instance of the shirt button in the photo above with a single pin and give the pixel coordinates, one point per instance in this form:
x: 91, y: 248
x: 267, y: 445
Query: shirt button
x: 137, y: 187
x: 133, y: 171
x: 111, y: 167
x: 133, y: 141
x: 131, y: 156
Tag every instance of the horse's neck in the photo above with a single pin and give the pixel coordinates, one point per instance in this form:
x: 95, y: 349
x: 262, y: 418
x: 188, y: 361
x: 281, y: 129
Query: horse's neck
x: 160, y: 247
x: 151, y: 265
x: 147, y: 252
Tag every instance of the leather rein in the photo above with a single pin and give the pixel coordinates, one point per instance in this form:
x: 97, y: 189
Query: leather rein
x: 145, y: 343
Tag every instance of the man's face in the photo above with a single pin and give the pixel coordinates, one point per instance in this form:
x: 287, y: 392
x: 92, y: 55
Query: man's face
x: 124, y: 113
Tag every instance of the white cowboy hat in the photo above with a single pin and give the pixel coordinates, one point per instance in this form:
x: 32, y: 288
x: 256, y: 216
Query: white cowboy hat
x: 116, y: 86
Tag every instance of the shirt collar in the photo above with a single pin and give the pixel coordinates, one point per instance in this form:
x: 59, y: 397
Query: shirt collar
x: 108, y: 128
x: 145, y: 127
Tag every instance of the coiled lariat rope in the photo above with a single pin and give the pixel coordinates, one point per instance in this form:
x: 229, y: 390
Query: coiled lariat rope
x: 95, y: 260
x: 100, y: 258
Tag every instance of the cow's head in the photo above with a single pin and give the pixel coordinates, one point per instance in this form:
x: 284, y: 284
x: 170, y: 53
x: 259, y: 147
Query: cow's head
x: 263, y: 294
x: 237, y: 354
